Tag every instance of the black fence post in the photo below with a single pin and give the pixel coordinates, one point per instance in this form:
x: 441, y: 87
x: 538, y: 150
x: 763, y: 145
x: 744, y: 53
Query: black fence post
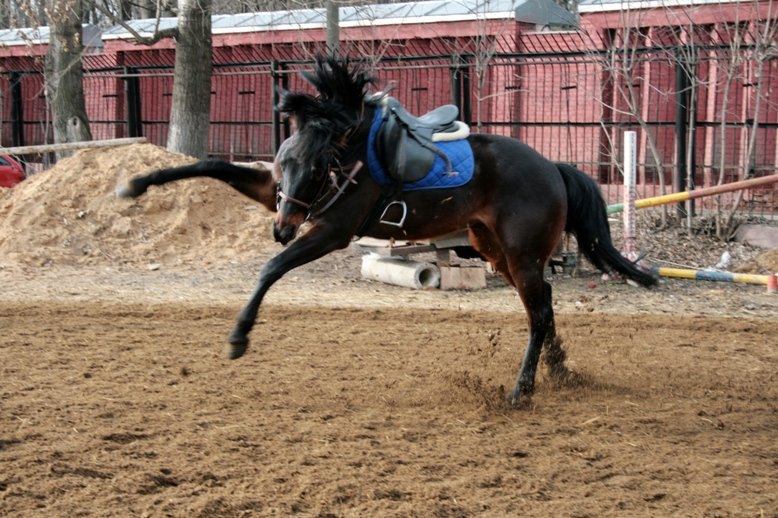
x: 466, y: 108
x: 681, y: 127
x: 134, y: 122
x: 276, y: 74
x: 17, y: 109
x: 456, y: 82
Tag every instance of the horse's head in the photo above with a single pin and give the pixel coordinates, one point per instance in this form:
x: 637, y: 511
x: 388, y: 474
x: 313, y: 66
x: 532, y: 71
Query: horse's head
x: 321, y: 144
x: 298, y: 185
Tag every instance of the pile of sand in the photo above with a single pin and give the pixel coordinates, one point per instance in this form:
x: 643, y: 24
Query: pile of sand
x: 764, y: 263
x: 70, y: 215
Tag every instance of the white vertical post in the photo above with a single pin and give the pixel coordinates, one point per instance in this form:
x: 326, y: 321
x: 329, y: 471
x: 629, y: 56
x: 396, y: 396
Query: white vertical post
x: 630, y: 194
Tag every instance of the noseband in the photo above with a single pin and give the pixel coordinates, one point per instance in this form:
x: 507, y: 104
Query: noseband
x: 328, y: 194
x: 282, y: 196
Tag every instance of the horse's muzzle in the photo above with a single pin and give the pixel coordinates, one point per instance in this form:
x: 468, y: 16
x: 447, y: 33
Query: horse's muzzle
x: 285, y: 234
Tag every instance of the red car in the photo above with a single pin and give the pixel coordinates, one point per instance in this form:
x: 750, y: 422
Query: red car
x: 11, y: 171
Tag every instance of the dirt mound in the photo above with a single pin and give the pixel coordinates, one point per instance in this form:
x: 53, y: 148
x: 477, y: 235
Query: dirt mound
x: 70, y: 215
x: 766, y: 262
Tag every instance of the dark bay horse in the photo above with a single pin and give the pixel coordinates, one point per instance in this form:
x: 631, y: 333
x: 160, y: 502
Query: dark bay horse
x: 515, y: 208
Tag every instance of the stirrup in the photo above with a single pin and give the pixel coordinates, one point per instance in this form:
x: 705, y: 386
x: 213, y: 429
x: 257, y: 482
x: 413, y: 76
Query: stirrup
x: 397, y: 224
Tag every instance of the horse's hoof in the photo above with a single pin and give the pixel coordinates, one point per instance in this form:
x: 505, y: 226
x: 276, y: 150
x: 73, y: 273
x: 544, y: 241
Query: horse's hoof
x: 518, y: 398
x: 239, y: 342
x: 513, y: 399
x: 124, y: 191
x: 129, y: 190
x: 236, y: 351
x: 238, y: 346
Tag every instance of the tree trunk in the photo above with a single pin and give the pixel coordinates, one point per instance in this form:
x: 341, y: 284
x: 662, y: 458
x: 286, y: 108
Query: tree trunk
x: 125, y: 10
x: 146, y: 9
x: 64, y: 73
x: 190, y: 113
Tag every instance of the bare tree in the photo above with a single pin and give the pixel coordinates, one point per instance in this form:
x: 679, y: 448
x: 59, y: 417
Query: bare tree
x: 64, y: 72
x: 485, y: 47
x: 713, y: 82
x: 746, y: 65
x: 627, y: 71
x: 21, y: 13
x: 190, y: 112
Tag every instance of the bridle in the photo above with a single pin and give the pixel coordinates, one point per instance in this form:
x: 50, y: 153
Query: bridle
x: 328, y: 194
x: 339, y: 176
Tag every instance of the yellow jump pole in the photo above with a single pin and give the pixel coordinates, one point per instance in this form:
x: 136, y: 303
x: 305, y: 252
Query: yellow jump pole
x: 697, y: 193
x: 705, y: 275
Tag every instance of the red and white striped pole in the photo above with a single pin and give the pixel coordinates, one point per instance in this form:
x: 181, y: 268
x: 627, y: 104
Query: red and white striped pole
x: 630, y: 195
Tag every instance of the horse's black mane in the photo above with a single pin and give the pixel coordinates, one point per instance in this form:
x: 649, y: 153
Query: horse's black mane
x: 339, y: 79
x: 322, y: 119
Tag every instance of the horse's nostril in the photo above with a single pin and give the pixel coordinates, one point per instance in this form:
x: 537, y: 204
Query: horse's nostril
x: 284, y: 235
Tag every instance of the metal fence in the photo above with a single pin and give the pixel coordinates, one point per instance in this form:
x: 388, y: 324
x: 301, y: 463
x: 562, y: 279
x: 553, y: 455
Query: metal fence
x: 572, y: 106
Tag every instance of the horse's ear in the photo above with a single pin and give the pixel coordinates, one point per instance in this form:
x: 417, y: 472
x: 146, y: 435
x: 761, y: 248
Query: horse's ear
x: 295, y: 104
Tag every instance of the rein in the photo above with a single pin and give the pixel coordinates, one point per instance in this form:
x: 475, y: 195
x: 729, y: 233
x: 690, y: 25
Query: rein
x: 334, y: 190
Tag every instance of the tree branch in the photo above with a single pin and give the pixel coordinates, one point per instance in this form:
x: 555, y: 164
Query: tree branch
x: 142, y: 40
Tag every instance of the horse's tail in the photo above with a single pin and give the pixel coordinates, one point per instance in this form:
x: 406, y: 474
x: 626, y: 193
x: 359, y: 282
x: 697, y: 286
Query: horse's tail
x: 587, y: 219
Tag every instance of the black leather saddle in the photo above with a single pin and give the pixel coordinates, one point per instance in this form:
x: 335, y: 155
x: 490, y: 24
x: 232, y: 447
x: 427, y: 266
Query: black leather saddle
x: 404, y: 143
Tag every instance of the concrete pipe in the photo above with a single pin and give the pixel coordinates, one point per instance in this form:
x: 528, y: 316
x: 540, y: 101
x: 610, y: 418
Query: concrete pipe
x: 401, y: 272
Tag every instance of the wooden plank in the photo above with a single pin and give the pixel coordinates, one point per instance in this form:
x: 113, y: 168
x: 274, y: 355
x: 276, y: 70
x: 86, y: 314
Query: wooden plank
x: 458, y: 238
x: 393, y: 251
x: 70, y: 146
x: 462, y: 277
x: 440, y: 246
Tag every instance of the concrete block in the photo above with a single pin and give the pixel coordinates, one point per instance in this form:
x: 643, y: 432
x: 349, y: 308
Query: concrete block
x: 462, y: 277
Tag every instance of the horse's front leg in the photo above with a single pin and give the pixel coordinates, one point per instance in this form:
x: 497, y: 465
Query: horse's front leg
x: 317, y: 242
x: 255, y: 182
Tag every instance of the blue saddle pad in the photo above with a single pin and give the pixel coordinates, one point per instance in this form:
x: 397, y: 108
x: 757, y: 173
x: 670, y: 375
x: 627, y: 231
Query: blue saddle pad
x: 458, y: 152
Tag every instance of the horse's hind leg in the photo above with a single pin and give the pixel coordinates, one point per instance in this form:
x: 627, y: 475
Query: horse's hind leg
x: 535, y: 294
x: 540, y: 314
x: 554, y: 354
x: 486, y: 245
